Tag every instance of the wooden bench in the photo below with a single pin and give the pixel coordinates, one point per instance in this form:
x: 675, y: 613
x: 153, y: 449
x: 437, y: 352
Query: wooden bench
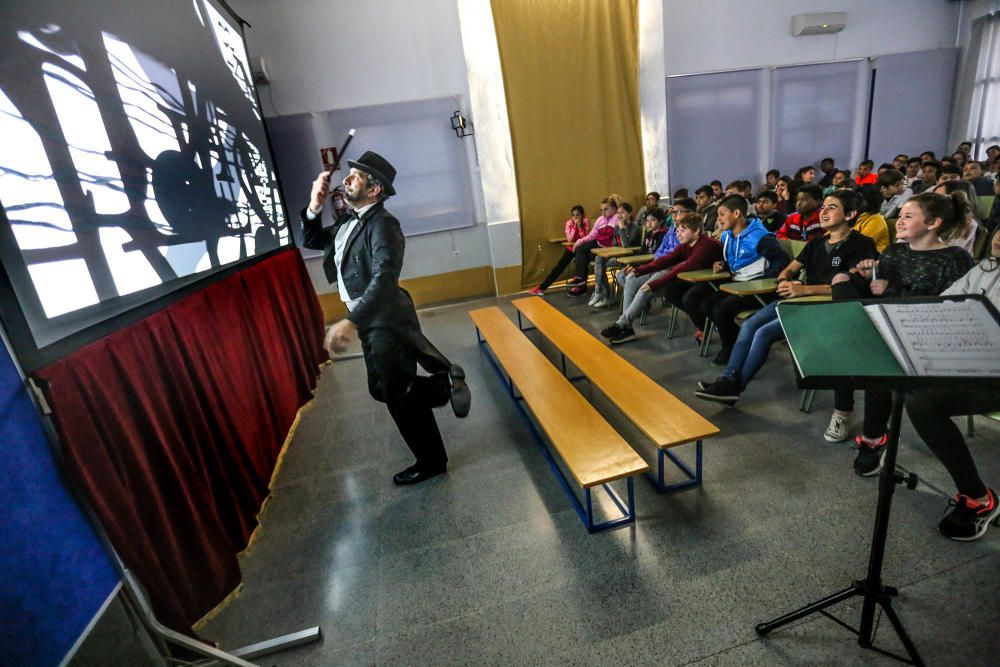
x: 593, y: 452
x: 657, y: 413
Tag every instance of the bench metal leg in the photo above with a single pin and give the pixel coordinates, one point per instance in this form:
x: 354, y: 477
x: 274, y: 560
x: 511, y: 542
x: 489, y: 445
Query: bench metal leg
x: 586, y: 513
x: 693, y: 476
x: 520, y: 324
x: 706, y: 341
x: 808, y: 396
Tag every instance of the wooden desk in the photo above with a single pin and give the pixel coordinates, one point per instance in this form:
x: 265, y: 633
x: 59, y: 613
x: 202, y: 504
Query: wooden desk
x: 635, y: 260
x: 609, y: 253
x: 812, y: 298
x: 704, y: 276
x: 755, y: 288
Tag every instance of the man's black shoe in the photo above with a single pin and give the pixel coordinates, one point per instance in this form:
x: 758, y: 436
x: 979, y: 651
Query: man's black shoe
x: 415, y: 475
x: 461, y: 397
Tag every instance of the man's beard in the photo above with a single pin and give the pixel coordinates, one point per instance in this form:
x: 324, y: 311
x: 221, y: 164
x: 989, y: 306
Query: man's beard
x: 353, y: 200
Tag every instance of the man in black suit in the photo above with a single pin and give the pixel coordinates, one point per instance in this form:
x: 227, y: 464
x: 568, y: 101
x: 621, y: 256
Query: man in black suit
x: 363, y: 254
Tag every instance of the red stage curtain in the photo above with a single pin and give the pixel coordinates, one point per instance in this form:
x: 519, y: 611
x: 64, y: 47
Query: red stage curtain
x: 173, y: 426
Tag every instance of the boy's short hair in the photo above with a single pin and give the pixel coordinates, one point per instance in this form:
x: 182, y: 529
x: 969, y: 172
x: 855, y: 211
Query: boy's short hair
x: 772, y: 172
x: 735, y: 203
x: 716, y: 182
x: 951, y: 169
x: 890, y: 177
x: 735, y: 185
x: 905, y: 157
x: 657, y: 213
x: 885, y: 165
x: 812, y: 190
x: 769, y: 195
x: 828, y: 159
x: 934, y: 164
x: 687, y: 204
x: 690, y: 221
x: 681, y: 193
x: 914, y: 159
x: 705, y: 190
x: 654, y: 195
x: 867, y: 163
x: 996, y: 146
x: 931, y: 153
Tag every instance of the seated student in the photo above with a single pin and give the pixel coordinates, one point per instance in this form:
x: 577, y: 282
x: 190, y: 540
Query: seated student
x: 841, y: 179
x: 992, y: 155
x: 707, y: 206
x: 899, y: 162
x: 930, y: 173
x: 696, y: 251
x: 993, y: 220
x: 767, y: 211
x: 965, y: 235
x: 627, y: 235
x: 870, y: 222
x: 922, y: 266
x: 927, y: 156
x: 749, y: 252
x: 739, y: 187
x: 716, y: 190
x: 912, y: 174
x: 828, y: 167
x: 803, y: 175
x: 930, y: 412
x: 786, y: 194
x: 803, y: 225
x: 950, y: 172
x: 601, y: 234
x: 864, y: 175
x: 770, y: 180
x: 652, y: 201
x: 822, y: 258
x: 894, y: 191
x: 668, y: 239
x: 973, y: 173
x: 654, y: 228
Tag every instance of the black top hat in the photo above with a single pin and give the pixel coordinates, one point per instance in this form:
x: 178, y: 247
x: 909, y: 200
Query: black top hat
x: 376, y: 165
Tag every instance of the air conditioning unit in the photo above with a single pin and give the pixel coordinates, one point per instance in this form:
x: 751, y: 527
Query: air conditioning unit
x: 818, y: 24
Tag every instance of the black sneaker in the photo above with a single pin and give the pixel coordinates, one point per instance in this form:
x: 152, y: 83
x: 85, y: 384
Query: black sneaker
x: 723, y: 391
x: 969, y: 520
x: 705, y: 385
x: 623, y: 335
x: 612, y: 331
x: 870, y: 457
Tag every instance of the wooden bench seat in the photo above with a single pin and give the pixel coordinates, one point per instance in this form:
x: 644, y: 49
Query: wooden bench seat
x: 593, y: 452
x: 658, y: 414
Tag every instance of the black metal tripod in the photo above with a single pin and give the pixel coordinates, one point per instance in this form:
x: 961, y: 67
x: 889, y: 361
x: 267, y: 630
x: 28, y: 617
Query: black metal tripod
x: 871, y: 587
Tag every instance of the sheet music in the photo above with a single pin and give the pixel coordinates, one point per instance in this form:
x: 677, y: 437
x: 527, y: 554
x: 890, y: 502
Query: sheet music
x: 950, y: 339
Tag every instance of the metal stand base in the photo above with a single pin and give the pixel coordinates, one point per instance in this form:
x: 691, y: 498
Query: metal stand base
x: 871, y: 588
x: 883, y: 598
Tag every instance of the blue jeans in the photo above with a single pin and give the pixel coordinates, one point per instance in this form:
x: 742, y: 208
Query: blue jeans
x: 757, y: 335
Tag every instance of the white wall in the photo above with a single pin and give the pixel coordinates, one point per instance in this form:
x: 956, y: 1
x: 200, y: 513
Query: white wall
x: 331, y: 54
x: 713, y: 35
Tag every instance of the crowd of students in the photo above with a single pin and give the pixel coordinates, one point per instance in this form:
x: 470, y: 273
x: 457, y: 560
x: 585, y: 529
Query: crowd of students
x: 944, y: 244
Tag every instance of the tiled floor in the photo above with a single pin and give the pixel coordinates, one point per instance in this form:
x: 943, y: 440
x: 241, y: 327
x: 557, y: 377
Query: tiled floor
x: 490, y: 565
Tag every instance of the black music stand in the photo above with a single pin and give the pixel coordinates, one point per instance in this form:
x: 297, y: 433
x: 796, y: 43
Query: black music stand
x: 818, y: 342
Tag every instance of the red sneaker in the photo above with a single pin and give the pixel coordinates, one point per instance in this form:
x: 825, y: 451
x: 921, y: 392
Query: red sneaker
x: 536, y: 291
x: 699, y: 335
x: 969, y: 519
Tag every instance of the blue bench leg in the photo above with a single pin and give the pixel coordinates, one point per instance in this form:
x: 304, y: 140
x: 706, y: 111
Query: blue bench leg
x: 627, y: 510
x: 693, y: 476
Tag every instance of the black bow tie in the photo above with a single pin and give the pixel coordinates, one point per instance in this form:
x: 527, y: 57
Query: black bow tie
x: 353, y: 214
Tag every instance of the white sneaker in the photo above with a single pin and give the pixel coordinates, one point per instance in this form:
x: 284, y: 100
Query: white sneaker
x: 593, y: 298
x: 603, y: 302
x: 837, y: 430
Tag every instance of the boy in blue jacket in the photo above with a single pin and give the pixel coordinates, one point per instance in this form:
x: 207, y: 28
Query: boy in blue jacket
x: 750, y: 252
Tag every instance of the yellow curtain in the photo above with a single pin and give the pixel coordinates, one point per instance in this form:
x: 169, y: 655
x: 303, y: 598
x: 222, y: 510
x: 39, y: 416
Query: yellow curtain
x: 571, y: 73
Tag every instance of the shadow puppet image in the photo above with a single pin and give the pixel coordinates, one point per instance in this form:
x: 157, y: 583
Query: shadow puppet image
x: 134, y: 154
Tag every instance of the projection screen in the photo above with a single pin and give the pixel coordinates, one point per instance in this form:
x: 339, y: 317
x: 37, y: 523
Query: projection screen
x: 134, y: 159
